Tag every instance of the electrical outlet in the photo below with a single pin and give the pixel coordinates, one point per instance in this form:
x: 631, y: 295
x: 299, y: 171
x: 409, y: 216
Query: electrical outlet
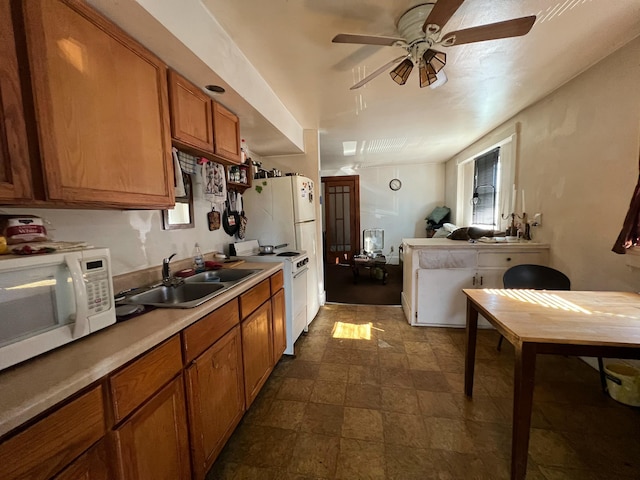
x: 391, y: 248
x: 536, y: 221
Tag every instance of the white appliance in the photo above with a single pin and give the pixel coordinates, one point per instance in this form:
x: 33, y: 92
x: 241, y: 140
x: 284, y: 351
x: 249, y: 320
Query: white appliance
x: 283, y: 210
x: 49, y: 300
x: 295, y: 267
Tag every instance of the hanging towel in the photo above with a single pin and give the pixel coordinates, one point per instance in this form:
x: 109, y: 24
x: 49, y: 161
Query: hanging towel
x: 177, y: 172
x: 188, y: 163
x: 214, y: 183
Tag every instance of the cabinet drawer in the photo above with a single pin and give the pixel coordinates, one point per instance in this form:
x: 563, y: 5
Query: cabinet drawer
x: 49, y: 445
x: 206, y: 331
x: 277, y: 282
x: 255, y: 297
x: 435, y: 259
x: 140, y: 379
x: 506, y: 259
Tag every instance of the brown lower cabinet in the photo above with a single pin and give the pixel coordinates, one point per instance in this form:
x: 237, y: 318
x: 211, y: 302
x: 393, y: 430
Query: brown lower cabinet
x: 215, y: 393
x: 153, y: 443
x: 166, y: 414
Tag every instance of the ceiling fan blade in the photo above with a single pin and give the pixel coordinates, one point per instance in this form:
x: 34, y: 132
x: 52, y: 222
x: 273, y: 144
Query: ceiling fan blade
x: 367, y: 39
x: 373, y: 75
x: 440, y: 14
x: 492, y: 31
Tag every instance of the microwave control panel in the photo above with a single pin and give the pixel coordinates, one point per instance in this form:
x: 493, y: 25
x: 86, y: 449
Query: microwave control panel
x: 97, y: 281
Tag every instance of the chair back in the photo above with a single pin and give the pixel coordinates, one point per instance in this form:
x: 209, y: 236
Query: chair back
x: 537, y: 277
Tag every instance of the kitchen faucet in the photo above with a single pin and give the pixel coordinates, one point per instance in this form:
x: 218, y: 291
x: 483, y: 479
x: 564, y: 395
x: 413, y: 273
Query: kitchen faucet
x: 167, y: 279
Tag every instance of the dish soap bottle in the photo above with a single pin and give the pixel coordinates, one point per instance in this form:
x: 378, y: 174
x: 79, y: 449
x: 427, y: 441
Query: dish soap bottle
x: 198, y: 260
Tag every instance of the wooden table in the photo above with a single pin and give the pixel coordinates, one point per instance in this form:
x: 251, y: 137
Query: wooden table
x: 592, y: 324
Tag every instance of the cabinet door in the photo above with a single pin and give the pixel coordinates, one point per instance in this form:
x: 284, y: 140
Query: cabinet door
x: 191, y: 120
x: 102, y: 109
x: 440, y: 299
x: 279, y: 325
x: 215, y: 394
x: 257, y: 350
x: 46, y: 447
x: 226, y: 128
x: 15, y: 170
x: 92, y: 465
x: 153, y: 443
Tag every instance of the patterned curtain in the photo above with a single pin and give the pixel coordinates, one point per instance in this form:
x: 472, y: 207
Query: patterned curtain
x: 630, y: 233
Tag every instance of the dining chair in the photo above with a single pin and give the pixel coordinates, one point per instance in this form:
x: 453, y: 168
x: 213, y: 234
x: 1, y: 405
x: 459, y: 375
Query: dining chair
x: 539, y: 277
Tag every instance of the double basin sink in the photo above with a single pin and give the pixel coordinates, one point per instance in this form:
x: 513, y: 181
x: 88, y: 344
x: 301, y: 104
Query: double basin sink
x: 195, y: 290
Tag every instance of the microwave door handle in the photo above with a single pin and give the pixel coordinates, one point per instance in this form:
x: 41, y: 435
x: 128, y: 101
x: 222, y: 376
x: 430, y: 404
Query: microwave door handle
x: 81, y: 324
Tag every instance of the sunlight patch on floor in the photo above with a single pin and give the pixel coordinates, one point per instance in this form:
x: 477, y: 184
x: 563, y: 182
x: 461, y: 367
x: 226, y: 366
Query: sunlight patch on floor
x: 352, y: 331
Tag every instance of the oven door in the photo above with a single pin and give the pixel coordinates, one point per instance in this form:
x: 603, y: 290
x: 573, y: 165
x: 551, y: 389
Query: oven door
x: 299, y: 297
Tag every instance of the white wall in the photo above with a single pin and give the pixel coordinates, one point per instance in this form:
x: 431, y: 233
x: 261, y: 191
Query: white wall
x: 578, y: 163
x: 401, y: 213
x: 135, y: 237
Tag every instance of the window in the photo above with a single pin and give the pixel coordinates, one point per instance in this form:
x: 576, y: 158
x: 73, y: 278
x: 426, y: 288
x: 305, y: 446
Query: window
x: 486, y: 179
x: 485, y: 188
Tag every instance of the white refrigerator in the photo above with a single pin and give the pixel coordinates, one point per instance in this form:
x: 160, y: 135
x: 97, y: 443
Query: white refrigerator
x: 283, y: 210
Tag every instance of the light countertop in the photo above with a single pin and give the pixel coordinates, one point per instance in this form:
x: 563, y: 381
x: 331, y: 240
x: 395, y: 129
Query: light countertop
x: 448, y: 243
x: 30, y: 388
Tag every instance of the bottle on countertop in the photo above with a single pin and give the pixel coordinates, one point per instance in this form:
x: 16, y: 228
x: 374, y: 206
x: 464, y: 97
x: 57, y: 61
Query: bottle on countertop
x: 198, y: 260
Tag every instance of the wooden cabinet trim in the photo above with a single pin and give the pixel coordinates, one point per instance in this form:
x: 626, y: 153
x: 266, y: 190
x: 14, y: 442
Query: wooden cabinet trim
x: 226, y: 130
x: 138, y: 380
x: 257, y: 351
x: 92, y: 465
x: 46, y: 447
x: 255, y: 297
x: 206, y: 331
x: 279, y: 328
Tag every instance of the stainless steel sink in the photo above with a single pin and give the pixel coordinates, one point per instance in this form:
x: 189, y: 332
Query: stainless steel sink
x: 196, y: 289
x: 226, y: 275
x: 187, y: 295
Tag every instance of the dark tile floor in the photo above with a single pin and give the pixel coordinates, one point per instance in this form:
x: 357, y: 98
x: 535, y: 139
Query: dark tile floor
x: 391, y: 407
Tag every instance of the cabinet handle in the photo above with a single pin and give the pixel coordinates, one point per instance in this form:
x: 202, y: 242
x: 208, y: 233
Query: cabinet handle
x: 481, y: 280
x: 474, y: 280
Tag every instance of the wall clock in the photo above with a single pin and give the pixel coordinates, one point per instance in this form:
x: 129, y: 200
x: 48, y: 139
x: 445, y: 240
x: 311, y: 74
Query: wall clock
x: 395, y: 184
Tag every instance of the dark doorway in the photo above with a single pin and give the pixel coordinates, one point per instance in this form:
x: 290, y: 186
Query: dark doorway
x: 341, y: 217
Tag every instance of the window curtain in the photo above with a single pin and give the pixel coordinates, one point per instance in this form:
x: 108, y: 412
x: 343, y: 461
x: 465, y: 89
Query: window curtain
x: 630, y: 233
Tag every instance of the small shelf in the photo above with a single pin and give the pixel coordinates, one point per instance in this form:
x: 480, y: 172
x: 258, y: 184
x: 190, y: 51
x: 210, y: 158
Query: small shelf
x: 242, y: 176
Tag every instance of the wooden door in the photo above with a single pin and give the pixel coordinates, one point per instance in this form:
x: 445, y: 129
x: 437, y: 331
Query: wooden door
x: 92, y: 465
x: 191, y: 117
x: 226, y: 129
x: 215, y: 394
x: 257, y: 350
x: 341, y: 218
x: 278, y: 315
x: 153, y: 444
x: 15, y: 169
x: 102, y: 109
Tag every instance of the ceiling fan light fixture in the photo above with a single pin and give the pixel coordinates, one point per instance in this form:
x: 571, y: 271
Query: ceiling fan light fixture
x: 428, y: 75
x: 436, y: 59
x: 401, y: 73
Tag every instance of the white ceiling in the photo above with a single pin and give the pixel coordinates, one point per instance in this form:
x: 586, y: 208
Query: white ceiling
x: 282, y: 72
x: 289, y: 43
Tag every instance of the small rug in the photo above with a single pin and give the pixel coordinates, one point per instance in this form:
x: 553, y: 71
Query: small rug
x: 340, y: 287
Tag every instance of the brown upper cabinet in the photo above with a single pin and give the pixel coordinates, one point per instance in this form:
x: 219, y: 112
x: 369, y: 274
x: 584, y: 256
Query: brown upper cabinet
x: 191, y: 118
x: 201, y: 126
x: 15, y: 169
x: 226, y: 127
x: 100, y: 104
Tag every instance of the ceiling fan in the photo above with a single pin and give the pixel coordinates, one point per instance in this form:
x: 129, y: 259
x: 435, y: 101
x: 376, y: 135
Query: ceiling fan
x: 420, y: 28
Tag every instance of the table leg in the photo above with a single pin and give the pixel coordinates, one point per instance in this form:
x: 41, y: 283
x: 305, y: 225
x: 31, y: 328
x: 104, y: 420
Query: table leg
x: 470, y: 347
x: 524, y: 379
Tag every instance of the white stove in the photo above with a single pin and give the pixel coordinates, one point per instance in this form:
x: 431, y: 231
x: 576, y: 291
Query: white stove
x: 295, y: 267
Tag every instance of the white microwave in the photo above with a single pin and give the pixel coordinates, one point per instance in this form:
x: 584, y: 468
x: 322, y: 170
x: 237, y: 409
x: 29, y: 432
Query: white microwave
x: 48, y: 300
